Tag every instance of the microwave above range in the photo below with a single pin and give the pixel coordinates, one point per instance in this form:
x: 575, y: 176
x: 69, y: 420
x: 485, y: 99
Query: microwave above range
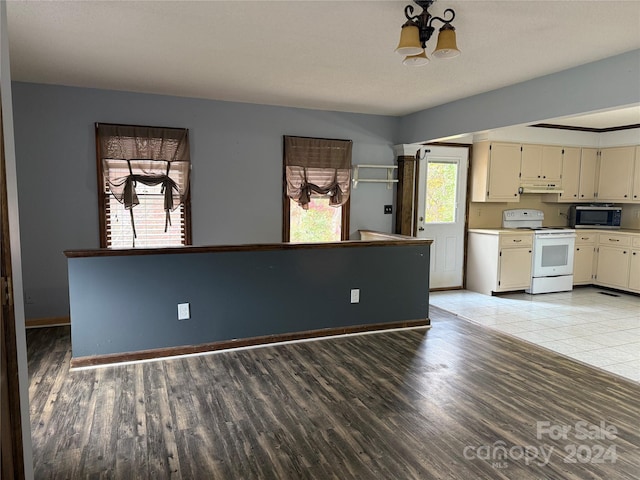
x: 594, y: 216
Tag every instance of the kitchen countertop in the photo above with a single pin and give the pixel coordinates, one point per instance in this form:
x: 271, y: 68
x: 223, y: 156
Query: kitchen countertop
x: 512, y: 231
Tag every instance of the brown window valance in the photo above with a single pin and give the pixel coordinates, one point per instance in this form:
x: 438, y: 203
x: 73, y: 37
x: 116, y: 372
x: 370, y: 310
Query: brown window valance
x: 317, y: 165
x: 149, y: 155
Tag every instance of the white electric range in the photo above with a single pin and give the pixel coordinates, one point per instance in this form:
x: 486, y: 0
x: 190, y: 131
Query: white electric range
x: 553, y: 247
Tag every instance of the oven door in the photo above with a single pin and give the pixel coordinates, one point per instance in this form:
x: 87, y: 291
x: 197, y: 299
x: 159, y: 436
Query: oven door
x: 553, y: 254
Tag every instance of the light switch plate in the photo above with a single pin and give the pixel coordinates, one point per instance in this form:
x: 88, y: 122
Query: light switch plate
x: 355, y: 295
x: 183, y: 311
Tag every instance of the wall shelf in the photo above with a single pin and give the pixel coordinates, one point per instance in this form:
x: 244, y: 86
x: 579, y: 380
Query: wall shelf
x: 389, y: 180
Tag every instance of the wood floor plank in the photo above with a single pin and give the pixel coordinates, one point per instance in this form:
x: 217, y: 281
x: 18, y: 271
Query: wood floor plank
x: 410, y: 404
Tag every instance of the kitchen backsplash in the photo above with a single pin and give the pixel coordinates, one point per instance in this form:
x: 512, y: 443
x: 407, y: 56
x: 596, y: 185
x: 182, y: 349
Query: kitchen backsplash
x: 489, y: 215
x: 631, y: 216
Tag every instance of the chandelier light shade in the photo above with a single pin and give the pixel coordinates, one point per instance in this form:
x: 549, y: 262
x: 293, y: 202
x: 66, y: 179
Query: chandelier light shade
x: 417, y: 31
x: 416, y: 60
x: 409, y: 41
x: 446, y: 47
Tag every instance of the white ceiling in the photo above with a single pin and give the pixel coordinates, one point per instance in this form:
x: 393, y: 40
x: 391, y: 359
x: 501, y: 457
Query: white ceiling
x: 330, y: 55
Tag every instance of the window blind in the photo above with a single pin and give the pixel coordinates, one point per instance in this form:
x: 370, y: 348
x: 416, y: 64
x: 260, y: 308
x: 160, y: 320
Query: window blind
x: 144, y: 173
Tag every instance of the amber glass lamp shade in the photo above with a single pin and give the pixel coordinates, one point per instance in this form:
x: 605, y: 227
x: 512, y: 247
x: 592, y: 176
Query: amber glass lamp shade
x: 409, y: 41
x: 416, y: 60
x: 446, y: 47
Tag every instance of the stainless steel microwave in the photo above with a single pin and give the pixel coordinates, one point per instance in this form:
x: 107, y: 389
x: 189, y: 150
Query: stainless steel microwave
x: 594, y: 216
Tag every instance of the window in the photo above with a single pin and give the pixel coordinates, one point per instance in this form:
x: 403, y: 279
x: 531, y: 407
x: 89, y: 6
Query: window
x: 319, y: 223
x: 441, y: 192
x: 317, y: 176
x: 143, y: 178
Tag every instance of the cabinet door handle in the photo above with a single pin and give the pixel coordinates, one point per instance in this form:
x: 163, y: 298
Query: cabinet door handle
x: 517, y: 241
x: 577, y: 249
x: 634, y: 253
x: 614, y: 239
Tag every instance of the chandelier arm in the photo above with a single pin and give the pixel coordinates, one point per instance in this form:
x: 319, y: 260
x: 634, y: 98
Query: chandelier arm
x: 408, y: 12
x: 443, y: 20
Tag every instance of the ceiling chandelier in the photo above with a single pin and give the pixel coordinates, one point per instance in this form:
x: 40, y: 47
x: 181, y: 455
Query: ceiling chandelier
x: 417, y: 31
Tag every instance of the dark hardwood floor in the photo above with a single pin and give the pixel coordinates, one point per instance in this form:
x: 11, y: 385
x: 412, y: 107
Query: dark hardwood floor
x: 411, y: 404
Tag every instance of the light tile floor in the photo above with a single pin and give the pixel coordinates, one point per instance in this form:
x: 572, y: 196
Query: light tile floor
x: 595, y: 326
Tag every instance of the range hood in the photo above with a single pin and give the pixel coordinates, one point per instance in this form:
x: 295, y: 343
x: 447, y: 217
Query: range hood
x: 540, y: 188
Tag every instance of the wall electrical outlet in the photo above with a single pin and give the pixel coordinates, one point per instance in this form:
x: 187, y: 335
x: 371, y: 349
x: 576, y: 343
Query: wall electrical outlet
x: 184, y: 311
x: 388, y: 209
x: 355, y: 295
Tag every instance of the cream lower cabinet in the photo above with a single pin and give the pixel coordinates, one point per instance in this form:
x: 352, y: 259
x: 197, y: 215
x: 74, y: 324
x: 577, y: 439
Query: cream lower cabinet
x: 634, y: 265
x: 584, y: 257
x: 498, y: 261
x: 515, y: 269
x: 614, y: 260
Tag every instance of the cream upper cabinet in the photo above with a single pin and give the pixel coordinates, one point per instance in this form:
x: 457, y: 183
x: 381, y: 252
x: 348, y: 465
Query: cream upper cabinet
x: 570, y: 175
x: 615, y: 173
x: 552, y: 158
x: 588, y: 170
x: 635, y: 194
x: 541, y: 163
x: 579, y: 167
x: 531, y: 163
x: 495, y: 168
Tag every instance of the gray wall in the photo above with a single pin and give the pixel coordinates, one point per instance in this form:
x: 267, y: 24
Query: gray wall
x: 129, y: 303
x: 237, y: 156
x: 612, y: 82
x: 236, y: 151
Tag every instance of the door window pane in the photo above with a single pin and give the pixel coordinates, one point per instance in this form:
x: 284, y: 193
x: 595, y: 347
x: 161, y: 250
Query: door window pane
x: 440, y: 205
x: 321, y: 223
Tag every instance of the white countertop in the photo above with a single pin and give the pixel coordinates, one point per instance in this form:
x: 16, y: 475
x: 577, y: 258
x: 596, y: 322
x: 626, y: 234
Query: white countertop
x: 520, y: 231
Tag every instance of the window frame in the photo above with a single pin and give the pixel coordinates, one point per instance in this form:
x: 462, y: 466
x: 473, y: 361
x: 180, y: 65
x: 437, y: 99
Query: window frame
x: 103, y: 197
x: 286, y: 200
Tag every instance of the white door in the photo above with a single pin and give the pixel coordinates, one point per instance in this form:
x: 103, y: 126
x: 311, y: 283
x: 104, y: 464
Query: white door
x: 441, y: 211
